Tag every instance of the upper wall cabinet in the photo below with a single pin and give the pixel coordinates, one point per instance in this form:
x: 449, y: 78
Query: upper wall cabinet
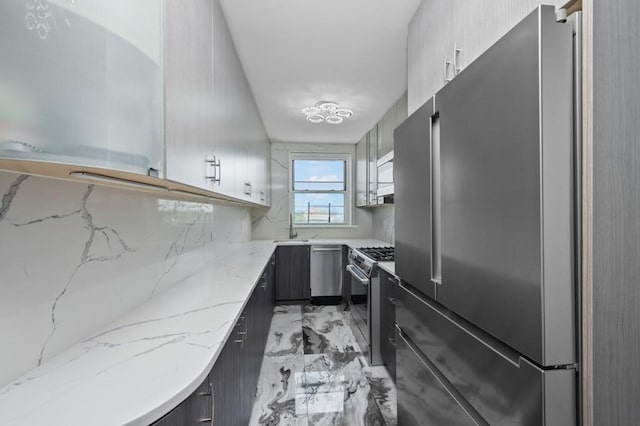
x: 215, y: 137
x: 374, y: 158
x: 81, y: 83
x: 189, y: 90
x: 447, y: 35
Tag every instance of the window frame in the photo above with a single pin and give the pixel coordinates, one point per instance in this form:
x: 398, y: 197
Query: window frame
x: 348, y: 198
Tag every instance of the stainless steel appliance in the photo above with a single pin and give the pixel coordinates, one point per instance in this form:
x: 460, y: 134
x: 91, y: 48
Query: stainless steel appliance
x: 486, y: 310
x: 364, y: 299
x: 326, y: 269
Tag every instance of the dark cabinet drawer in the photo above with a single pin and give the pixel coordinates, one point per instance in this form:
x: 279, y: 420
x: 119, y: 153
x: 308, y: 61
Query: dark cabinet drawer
x: 502, y: 386
x: 388, y: 284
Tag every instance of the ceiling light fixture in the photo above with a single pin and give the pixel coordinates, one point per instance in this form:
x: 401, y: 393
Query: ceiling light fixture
x: 326, y: 111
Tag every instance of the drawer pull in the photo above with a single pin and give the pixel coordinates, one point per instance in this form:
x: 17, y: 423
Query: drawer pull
x: 392, y: 300
x: 205, y: 420
x: 392, y: 341
x: 392, y: 280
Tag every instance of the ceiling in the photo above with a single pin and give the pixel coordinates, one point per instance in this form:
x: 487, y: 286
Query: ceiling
x: 298, y: 52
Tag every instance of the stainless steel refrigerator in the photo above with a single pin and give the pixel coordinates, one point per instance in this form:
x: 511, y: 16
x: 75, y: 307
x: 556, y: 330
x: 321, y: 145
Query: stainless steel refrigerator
x: 486, y: 310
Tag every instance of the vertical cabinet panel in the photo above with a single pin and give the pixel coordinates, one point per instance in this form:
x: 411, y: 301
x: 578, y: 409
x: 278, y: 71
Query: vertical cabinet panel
x: 189, y: 90
x: 293, y: 273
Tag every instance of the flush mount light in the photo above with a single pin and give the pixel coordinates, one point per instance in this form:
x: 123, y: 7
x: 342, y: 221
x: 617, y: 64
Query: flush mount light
x: 326, y: 111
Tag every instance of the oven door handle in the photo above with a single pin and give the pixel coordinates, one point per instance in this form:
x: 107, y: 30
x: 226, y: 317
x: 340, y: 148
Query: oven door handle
x: 357, y: 275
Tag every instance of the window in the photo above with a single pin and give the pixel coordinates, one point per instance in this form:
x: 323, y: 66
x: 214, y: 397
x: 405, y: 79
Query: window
x: 320, y: 188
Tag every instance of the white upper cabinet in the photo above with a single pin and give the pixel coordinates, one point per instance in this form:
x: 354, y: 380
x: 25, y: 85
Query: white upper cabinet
x: 445, y: 36
x: 81, y: 83
x: 189, y: 90
x: 430, y: 43
x: 215, y: 137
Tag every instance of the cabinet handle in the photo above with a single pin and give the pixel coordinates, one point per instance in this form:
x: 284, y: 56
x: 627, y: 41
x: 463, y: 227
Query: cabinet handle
x: 445, y: 70
x: 392, y: 300
x: 247, y: 188
x: 392, y: 280
x: 212, y: 167
x: 208, y: 393
x: 456, y: 52
x: 392, y: 341
x: 205, y: 420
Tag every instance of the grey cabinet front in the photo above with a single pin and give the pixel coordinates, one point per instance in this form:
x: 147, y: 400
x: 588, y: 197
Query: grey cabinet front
x: 412, y: 177
x: 293, y: 273
x: 506, y: 169
x: 388, y: 321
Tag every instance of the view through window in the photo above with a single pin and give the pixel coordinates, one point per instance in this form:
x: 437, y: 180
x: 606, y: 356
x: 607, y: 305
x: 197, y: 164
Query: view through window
x: 320, y: 192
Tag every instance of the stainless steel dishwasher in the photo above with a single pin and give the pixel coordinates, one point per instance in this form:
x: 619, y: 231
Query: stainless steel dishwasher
x: 326, y: 273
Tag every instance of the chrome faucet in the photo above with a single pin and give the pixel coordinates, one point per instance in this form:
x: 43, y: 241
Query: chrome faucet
x: 292, y: 234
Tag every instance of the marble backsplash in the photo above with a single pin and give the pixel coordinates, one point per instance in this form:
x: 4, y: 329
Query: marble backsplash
x: 74, y: 257
x: 383, y: 223
x: 273, y: 223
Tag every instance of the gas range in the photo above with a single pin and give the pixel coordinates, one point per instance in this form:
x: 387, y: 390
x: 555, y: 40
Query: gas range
x: 364, y: 298
x: 379, y: 254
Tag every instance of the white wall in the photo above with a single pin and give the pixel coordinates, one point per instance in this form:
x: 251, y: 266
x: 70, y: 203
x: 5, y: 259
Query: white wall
x: 273, y: 223
x: 74, y: 257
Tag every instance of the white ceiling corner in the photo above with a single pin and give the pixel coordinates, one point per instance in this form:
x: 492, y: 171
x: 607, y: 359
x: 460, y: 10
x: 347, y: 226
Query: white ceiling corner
x: 298, y: 52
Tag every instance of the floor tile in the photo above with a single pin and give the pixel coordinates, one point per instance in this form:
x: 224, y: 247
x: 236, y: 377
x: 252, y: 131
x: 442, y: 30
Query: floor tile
x: 326, y: 332
x: 329, y: 383
x: 285, y: 335
x: 275, y: 402
x: 288, y: 309
x: 384, y: 393
x: 325, y: 308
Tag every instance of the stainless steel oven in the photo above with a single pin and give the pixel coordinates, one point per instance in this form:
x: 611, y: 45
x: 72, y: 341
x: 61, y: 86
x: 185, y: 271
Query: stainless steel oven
x: 364, y: 304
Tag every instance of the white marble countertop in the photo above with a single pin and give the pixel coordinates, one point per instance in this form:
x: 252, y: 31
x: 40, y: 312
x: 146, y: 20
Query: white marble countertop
x: 138, y: 368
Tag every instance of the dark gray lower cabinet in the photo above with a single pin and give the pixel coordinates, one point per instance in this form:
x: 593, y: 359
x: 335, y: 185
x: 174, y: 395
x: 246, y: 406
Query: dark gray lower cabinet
x: 226, y: 396
x: 388, y: 321
x: 197, y: 409
x: 292, y: 273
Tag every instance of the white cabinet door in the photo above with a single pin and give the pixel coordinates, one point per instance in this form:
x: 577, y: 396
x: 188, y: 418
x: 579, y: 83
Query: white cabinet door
x: 430, y: 42
x: 478, y: 24
x: 239, y: 135
x: 188, y: 90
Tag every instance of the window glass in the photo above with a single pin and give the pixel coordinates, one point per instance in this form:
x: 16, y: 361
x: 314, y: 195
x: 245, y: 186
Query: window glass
x: 319, y: 191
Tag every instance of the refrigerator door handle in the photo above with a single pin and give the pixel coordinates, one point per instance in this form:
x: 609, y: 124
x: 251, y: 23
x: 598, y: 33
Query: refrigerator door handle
x: 487, y: 340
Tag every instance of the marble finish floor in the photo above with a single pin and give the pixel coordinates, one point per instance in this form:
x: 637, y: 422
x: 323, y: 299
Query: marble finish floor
x: 314, y: 373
